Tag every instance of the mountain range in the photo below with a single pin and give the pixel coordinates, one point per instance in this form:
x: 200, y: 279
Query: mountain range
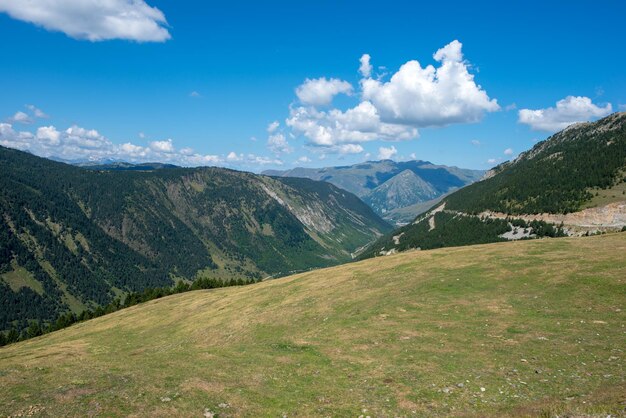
x: 72, y: 238
x: 396, y: 190
x: 573, y: 183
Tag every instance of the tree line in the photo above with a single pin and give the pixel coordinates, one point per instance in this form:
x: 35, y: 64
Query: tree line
x: 38, y: 327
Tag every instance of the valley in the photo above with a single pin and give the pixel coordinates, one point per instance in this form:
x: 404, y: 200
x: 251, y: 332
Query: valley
x: 79, y: 238
x: 396, y: 190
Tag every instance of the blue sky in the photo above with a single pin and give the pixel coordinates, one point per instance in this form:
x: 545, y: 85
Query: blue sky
x: 102, y: 86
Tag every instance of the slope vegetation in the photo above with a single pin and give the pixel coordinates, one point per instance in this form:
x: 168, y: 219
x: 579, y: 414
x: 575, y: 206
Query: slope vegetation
x: 572, y: 183
x: 72, y: 238
x: 532, y: 328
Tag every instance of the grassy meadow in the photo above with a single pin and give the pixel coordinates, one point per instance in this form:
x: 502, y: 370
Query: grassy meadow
x: 532, y: 328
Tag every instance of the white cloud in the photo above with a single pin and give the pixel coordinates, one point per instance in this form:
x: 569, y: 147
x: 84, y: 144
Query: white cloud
x: 141, y: 135
x: 346, y: 149
x: 134, y: 151
x: 413, y: 156
x: 93, y: 20
x: 508, y: 151
x: 304, y: 159
x: 366, y: 68
x: 232, y: 156
x: 510, y: 107
x: 386, y: 153
x: 75, y: 136
x: 48, y: 134
x: 162, y: 146
x: 10, y: 138
x: 252, y: 159
x: 195, y: 94
x: 492, y: 161
x: 25, y: 118
x: 80, y: 144
x: 394, y: 110
x: 321, y: 91
x: 271, y: 128
x: 475, y: 142
x: 20, y: 117
x: 429, y: 96
x: 199, y: 160
x: 278, y: 144
x: 567, y: 111
x: 38, y: 113
x: 358, y: 124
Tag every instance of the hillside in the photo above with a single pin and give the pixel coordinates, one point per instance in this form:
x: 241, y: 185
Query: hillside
x: 72, y: 238
x: 533, y: 328
x: 394, y: 190
x: 572, y: 183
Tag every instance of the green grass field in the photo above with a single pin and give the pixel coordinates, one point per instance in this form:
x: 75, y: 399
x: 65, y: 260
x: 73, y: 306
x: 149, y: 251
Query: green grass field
x: 532, y: 328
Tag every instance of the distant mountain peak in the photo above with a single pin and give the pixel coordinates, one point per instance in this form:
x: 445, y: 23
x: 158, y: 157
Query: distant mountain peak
x: 388, y: 186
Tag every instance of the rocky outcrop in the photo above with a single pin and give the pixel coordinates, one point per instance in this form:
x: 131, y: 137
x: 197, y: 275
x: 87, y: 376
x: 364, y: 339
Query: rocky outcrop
x: 611, y: 216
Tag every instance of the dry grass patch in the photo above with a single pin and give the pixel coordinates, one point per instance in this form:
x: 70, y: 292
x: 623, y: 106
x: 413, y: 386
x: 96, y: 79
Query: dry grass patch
x: 539, y: 325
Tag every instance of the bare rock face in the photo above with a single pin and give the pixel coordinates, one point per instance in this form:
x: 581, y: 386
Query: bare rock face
x: 608, y: 217
x: 612, y: 215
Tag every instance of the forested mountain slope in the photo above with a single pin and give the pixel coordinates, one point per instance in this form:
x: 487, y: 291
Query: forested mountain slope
x: 74, y: 238
x: 393, y: 189
x: 581, y: 167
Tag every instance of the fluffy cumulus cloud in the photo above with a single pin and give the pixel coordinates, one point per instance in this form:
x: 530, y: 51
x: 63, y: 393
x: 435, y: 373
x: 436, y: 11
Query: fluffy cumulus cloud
x: 335, y: 127
x: 387, y: 153
x: 79, y: 144
x: 20, y: 117
x: 86, y: 139
x: 93, y: 20
x: 321, y: 91
x: 366, y: 68
x: 49, y: 135
x: 508, y: 151
x: 429, y: 96
x: 566, y: 112
x: 233, y: 156
x: 9, y: 137
x: 390, y: 110
x: 278, y: 144
x: 162, y: 146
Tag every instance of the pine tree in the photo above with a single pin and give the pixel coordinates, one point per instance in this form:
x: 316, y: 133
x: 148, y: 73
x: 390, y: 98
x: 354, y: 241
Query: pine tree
x: 33, y: 330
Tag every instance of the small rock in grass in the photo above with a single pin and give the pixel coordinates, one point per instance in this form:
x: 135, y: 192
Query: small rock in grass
x: 208, y: 413
x: 482, y: 389
x: 165, y: 399
x: 460, y: 385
